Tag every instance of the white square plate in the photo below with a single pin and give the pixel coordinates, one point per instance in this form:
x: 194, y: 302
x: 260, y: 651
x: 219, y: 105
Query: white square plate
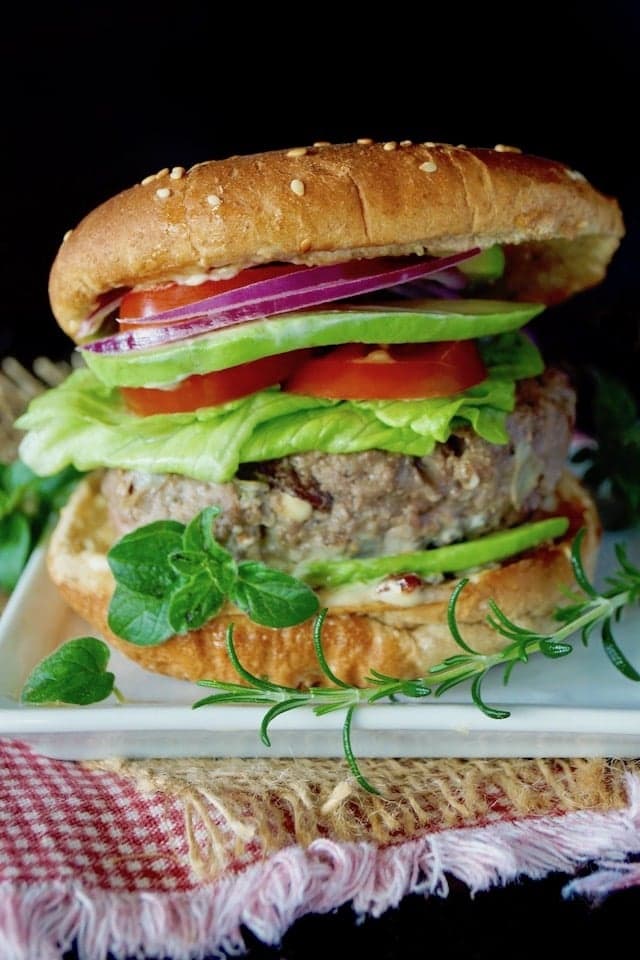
x: 577, y: 706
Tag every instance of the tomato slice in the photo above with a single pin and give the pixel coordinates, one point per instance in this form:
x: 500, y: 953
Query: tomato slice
x: 403, y: 372
x: 144, y: 303
x: 208, y: 389
x: 204, y: 390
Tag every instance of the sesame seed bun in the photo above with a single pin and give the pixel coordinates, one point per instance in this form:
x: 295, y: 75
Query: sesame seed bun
x: 326, y: 204
x: 397, y: 641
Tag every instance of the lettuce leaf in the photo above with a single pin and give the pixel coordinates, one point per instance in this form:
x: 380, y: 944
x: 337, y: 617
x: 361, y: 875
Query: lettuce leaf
x: 84, y: 423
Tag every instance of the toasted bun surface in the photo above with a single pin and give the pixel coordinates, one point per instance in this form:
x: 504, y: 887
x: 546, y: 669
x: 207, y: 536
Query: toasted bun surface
x: 397, y: 641
x: 334, y: 203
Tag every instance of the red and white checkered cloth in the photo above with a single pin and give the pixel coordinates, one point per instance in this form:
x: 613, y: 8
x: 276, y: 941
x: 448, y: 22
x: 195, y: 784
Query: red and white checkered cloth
x: 86, y: 858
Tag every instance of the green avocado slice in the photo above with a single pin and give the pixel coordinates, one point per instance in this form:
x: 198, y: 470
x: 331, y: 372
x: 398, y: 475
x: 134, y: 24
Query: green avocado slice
x: 449, y: 559
x: 487, y: 265
x: 423, y: 321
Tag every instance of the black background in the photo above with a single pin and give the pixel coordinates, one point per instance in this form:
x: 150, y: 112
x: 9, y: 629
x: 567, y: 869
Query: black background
x: 96, y: 96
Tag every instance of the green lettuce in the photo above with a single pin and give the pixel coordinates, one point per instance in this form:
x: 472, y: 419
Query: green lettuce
x: 83, y: 422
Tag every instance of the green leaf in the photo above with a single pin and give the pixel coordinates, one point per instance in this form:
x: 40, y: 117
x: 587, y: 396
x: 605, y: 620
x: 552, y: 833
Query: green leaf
x: 194, y: 603
x: 274, y: 712
x: 186, y: 563
x: 27, y: 505
x: 512, y: 356
x: 494, y: 713
x: 614, y: 463
x: 74, y: 673
x: 199, y: 541
x: 318, y: 625
x: 15, y: 546
x: 15, y: 475
x: 554, y: 650
x: 139, y: 618
x: 350, y: 756
x: 615, y: 654
x: 272, y: 598
x: 140, y: 560
x: 56, y: 489
x: 615, y: 407
x: 198, y: 536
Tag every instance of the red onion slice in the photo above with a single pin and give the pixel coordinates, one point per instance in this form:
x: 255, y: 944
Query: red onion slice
x: 298, y: 290
x: 108, y: 303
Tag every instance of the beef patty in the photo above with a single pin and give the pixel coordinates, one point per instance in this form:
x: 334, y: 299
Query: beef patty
x: 360, y: 504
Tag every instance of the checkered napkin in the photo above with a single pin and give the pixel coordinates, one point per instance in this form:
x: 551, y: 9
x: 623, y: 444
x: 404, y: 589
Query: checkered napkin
x: 87, y: 857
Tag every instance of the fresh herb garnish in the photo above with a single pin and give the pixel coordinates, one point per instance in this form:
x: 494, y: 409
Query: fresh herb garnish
x: 74, y: 673
x: 27, y: 505
x: 172, y: 578
x: 613, y: 471
x: 583, y: 616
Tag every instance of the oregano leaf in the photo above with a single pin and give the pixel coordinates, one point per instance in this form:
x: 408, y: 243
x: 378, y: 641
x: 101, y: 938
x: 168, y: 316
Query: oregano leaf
x: 272, y: 598
x: 74, y: 673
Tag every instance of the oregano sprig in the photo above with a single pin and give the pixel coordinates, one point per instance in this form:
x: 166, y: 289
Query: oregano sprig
x: 76, y: 672
x: 28, y: 505
x: 171, y: 578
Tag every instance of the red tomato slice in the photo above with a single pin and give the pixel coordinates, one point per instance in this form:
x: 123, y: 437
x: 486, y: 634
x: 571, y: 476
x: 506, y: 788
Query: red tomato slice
x: 208, y: 389
x: 204, y: 390
x: 144, y: 303
x: 404, y: 372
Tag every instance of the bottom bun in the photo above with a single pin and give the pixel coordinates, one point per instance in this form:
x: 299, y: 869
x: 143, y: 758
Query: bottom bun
x: 399, y: 641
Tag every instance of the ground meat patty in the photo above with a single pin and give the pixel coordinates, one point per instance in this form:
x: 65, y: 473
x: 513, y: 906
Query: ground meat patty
x: 359, y: 504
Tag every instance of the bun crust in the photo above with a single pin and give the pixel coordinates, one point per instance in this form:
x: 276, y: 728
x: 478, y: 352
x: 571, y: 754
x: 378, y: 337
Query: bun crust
x: 334, y: 203
x: 397, y: 641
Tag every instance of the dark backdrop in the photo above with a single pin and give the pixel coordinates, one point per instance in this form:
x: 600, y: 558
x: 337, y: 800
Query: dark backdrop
x: 96, y: 96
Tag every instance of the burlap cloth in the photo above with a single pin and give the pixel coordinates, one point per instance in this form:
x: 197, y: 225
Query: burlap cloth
x: 269, y: 804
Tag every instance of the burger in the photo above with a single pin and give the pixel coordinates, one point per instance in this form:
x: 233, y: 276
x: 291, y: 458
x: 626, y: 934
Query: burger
x: 327, y: 350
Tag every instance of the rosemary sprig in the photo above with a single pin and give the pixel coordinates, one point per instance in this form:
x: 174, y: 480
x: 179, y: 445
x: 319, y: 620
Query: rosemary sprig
x: 583, y: 616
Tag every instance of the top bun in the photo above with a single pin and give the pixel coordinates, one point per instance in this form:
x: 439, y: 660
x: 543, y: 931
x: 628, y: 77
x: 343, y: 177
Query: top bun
x: 325, y: 204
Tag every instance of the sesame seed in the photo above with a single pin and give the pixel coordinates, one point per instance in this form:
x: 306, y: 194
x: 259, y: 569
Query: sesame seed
x: 575, y: 174
x: 214, y: 201
x: 155, y: 176
x: 305, y: 246
x: 297, y: 187
x: 163, y: 192
x: 67, y: 235
x: 428, y: 166
x: 389, y: 145
x: 177, y: 173
x: 364, y: 141
x: 428, y: 143
x: 297, y: 152
x: 322, y: 143
x: 406, y: 143
x: 461, y: 146
x: 505, y: 148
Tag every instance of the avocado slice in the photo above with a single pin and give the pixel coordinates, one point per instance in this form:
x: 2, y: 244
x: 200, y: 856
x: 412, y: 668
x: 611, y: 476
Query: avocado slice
x: 449, y: 559
x: 423, y: 321
x: 487, y: 265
